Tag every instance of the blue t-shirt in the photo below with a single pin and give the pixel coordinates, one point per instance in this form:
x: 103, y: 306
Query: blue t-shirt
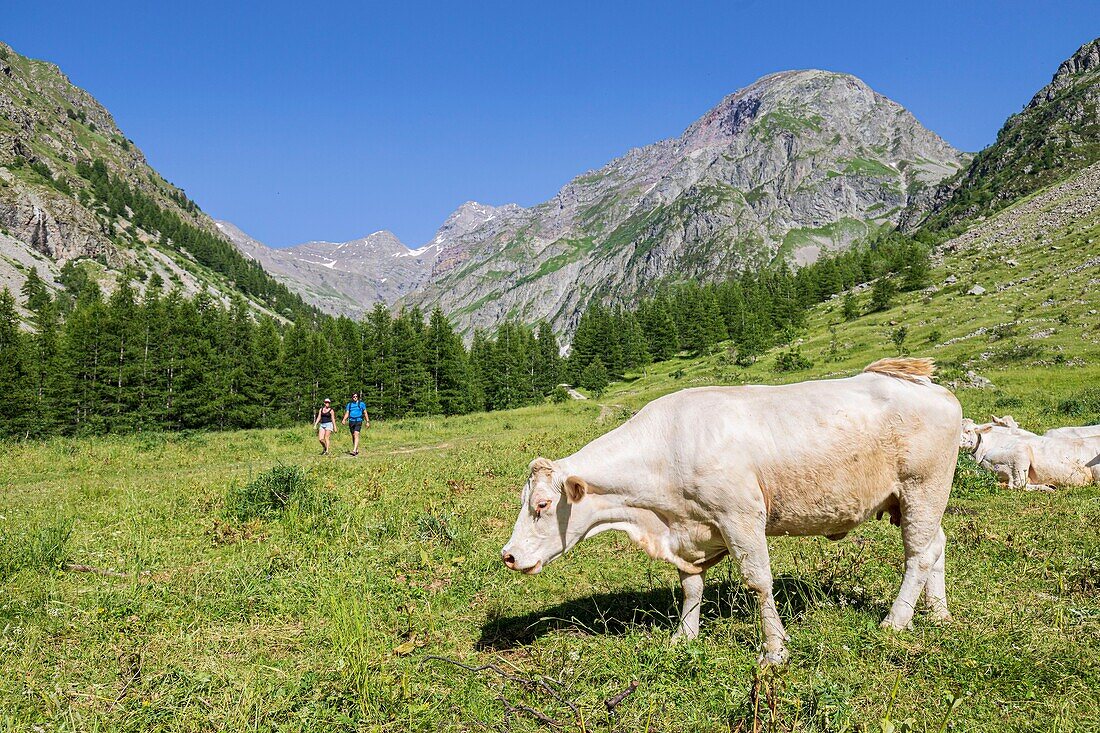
x: 356, y: 410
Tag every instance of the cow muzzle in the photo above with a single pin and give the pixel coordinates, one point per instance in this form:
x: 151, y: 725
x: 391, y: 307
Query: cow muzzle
x: 511, y: 563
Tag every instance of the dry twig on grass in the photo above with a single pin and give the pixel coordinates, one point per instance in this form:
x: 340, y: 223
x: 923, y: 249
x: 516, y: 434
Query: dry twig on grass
x: 72, y: 567
x: 541, y: 684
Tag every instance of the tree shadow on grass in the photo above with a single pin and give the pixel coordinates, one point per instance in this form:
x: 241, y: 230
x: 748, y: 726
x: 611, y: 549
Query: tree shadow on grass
x: 622, y: 612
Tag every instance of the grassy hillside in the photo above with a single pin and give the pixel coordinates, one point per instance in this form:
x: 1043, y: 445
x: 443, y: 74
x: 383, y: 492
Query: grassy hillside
x: 326, y: 616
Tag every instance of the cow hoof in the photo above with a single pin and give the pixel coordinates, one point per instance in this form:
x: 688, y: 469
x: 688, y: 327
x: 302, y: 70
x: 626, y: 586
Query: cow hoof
x: 774, y: 659
x: 940, y: 617
x: 681, y: 635
x: 889, y: 625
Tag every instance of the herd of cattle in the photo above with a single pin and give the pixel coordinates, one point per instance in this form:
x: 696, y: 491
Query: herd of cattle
x: 704, y: 473
x: 1024, y: 460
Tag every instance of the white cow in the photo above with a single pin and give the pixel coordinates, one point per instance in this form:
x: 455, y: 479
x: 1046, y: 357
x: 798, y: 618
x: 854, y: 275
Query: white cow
x: 1085, y: 431
x: 707, y: 472
x: 1025, y: 460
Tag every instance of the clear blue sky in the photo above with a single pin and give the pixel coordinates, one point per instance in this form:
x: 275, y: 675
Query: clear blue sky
x: 303, y: 121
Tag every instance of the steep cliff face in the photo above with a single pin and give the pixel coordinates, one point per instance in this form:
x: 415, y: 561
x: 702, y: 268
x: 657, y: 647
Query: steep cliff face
x: 1055, y: 135
x: 797, y: 163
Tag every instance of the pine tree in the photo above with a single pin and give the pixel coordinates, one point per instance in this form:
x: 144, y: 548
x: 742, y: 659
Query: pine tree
x: 120, y: 342
x: 848, y: 307
x: 35, y: 294
x: 882, y: 294
x: 481, y: 358
x: 16, y: 373
x: 296, y: 372
x: 447, y: 365
x: 198, y: 396
x: 548, y: 364
x: 634, y: 348
x: 916, y: 269
x: 660, y: 330
x: 587, y: 345
x: 82, y: 344
x: 266, y: 383
x: 413, y: 382
x: 595, y: 377
x: 378, y: 363
x: 714, y: 324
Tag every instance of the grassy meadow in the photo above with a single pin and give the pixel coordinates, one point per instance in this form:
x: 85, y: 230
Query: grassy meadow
x: 166, y: 582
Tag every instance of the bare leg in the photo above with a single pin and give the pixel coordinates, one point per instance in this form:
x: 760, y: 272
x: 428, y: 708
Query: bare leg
x: 355, y: 441
x: 935, y: 589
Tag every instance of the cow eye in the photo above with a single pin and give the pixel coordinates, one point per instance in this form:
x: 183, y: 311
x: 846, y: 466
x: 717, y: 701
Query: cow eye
x: 543, y: 505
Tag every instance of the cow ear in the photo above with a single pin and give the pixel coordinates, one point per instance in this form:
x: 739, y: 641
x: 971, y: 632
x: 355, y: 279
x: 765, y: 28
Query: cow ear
x: 575, y: 489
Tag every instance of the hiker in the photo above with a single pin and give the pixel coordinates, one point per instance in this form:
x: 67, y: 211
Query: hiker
x: 326, y: 419
x: 355, y: 414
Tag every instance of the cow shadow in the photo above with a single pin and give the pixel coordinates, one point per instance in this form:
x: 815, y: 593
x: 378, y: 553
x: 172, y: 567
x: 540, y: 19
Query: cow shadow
x: 621, y: 612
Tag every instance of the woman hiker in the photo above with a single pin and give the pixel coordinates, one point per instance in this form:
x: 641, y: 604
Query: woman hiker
x: 326, y: 419
x: 355, y: 414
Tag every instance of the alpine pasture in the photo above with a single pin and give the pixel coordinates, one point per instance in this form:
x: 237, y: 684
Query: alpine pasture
x: 338, y: 597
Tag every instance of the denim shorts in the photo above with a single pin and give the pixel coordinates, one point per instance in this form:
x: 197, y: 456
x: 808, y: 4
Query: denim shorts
x: 327, y: 426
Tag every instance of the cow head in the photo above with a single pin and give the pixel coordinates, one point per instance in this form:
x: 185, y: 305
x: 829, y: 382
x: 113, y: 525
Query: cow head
x: 1005, y: 422
x: 969, y: 439
x: 542, y: 532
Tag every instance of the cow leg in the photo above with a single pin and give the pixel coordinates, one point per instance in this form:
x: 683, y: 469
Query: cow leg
x: 748, y: 543
x: 935, y: 588
x: 692, y: 585
x: 920, y: 533
x: 1020, y: 469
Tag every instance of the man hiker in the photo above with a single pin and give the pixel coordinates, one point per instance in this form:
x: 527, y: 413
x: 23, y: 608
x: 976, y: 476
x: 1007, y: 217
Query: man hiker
x: 355, y: 414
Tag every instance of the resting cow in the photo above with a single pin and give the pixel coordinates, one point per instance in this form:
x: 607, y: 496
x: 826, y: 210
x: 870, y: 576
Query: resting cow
x: 707, y: 472
x: 1024, y: 460
x: 1085, y: 431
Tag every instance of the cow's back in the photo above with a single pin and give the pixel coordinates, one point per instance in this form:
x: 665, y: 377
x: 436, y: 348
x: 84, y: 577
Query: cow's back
x: 824, y: 455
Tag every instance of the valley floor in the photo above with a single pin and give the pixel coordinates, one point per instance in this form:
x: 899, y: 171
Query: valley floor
x: 329, y: 617
x: 329, y: 620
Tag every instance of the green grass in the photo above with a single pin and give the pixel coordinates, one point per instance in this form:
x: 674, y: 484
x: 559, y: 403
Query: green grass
x: 296, y: 623
x: 868, y: 167
x: 786, y: 119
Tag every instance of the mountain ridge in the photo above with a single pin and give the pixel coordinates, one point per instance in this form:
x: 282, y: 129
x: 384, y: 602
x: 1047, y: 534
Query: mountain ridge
x: 671, y: 208
x: 1055, y: 134
x: 74, y: 188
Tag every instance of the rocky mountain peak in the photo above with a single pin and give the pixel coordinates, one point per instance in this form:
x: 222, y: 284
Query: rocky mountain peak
x: 466, y: 218
x: 1052, y: 137
x: 1086, y: 60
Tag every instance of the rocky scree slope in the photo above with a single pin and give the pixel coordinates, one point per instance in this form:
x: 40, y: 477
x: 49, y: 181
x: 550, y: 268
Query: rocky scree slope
x: 1056, y: 134
x: 48, y: 213
x: 796, y: 163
